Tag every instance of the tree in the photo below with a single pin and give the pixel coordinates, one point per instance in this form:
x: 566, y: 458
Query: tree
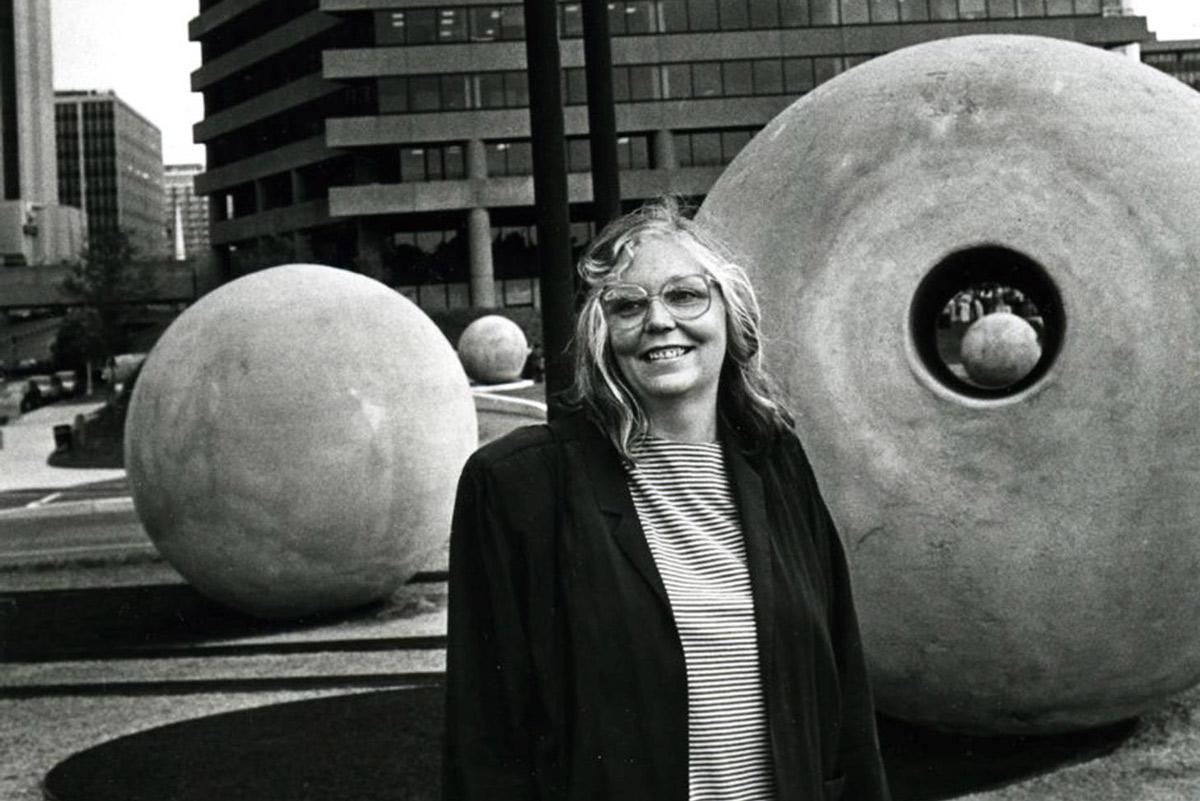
x: 108, y: 282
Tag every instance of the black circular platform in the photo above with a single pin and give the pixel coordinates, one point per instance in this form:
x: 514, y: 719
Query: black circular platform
x: 386, y: 745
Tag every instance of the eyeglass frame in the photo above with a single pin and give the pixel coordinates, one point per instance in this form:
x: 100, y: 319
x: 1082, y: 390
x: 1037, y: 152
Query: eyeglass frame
x: 709, y: 282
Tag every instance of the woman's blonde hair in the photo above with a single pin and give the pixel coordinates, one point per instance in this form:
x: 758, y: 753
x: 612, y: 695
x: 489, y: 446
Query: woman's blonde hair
x: 746, y: 400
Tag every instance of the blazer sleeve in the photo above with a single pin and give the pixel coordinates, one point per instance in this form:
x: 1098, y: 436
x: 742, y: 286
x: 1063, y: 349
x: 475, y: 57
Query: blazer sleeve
x: 489, y: 715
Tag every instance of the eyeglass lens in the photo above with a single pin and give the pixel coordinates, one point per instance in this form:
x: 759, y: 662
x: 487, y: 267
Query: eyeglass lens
x: 686, y: 298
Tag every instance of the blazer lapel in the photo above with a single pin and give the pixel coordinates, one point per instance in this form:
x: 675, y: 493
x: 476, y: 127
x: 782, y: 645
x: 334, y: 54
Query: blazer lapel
x: 612, y: 495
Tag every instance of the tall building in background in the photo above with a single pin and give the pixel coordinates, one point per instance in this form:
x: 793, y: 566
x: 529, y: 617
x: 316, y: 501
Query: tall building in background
x: 34, y: 227
x: 1180, y: 58
x: 110, y: 166
x: 392, y: 136
x: 186, y: 212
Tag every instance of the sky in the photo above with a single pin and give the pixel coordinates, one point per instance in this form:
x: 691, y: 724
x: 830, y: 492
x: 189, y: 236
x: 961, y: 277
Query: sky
x: 140, y: 49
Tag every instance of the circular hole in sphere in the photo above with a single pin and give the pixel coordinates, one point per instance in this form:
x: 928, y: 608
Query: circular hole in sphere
x: 987, y: 322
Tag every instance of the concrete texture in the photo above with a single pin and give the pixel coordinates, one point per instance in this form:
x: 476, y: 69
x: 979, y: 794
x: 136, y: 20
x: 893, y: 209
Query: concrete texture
x: 294, y: 441
x: 493, y: 350
x: 1026, y: 562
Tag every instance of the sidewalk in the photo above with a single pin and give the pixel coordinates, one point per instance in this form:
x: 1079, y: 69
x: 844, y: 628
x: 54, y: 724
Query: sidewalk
x: 29, y: 441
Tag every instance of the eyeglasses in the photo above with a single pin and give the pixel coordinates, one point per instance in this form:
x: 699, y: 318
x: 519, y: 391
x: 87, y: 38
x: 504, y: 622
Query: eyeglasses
x: 686, y: 298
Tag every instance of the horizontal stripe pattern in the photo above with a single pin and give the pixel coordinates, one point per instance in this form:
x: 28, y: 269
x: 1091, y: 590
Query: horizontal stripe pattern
x: 684, y: 502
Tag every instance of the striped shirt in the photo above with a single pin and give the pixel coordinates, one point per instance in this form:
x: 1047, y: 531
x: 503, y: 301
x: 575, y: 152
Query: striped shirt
x: 685, y: 505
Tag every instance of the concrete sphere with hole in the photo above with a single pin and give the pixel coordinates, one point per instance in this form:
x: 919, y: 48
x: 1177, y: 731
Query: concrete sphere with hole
x: 1024, y: 560
x: 999, y: 349
x: 294, y: 441
x: 493, y: 350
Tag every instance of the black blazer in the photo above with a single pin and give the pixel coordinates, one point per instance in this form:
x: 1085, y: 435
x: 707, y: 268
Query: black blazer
x: 565, y: 674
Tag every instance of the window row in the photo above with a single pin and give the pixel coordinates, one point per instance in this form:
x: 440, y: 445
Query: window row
x: 488, y: 23
x: 631, y: 83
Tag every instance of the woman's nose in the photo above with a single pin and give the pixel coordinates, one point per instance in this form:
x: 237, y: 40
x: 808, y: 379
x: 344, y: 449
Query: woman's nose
x: 658, y: 318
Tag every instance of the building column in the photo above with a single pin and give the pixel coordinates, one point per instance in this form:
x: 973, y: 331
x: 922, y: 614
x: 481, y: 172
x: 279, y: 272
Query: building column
x: 260, y: 196
x: 369, y: 246
x: 664, y: 151
x: 302, y: 247
x: 483, y: 276
x: 476, y: 159
x: 297, y: 186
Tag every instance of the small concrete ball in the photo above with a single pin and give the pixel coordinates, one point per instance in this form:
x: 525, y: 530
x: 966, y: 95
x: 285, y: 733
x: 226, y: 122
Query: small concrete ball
x: 493, y: 350
x: 1000, y: 349
x: 294, y: 441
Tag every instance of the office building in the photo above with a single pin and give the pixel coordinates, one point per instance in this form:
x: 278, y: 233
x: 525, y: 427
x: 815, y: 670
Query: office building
x: 392, y: 136
x: 34, y: 227
x: 186, y: 212
x: 1180, y: 58
x: 110, y: 166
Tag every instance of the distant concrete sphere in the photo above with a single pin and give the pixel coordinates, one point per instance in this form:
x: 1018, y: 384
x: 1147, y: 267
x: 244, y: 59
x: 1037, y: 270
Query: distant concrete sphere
x: 493, y: 350
x: 294, y: 441
x: 999, y: 349
x: 1024, y: 560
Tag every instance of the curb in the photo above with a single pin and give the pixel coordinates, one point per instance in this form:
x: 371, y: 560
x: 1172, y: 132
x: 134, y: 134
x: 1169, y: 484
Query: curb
x: 111, y: 506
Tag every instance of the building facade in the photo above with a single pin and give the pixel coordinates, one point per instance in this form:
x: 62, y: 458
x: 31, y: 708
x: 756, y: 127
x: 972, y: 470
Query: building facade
x: 110, y: 166
x: 392, y: 136
x: 186, y: 212
x: 1180, y: 58
x: 34, y: 227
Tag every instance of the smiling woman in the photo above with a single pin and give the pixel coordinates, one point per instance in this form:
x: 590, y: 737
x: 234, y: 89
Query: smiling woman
x: 648, y: 598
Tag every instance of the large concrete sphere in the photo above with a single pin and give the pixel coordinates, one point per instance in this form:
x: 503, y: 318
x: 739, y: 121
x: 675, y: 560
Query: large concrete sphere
x: 1000, y: 349
x: 493, y: 349
x: 294, y: 441
x: 1027, y: 560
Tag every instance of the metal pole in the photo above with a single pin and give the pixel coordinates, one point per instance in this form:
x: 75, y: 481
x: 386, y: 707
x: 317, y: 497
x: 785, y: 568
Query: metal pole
x: 602, y: 118
x: 550, y: 194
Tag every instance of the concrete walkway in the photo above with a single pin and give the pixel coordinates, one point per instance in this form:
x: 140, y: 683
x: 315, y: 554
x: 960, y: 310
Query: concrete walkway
x: 28, y: 442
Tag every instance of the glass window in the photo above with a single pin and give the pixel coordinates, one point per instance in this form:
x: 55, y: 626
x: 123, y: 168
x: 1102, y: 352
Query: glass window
x: 516, y: 89
x: 764, y: 13
x: 452, y: 25
x: 1087, y: 6
x: 393, y: 94
x: 855, y: 11
x: 412, y: 164
x: 485, y: 23
x: 683, y: 149
x: 423, y: 93
x: 674, y: 15
x: 491, y: 90
x: 732, y: 143
x: 433, y: 164
x: 793, y: 13
x: 825, y: 12
x: 884, y: 11
x: 497, y: 161
x: 455, y: 161
x: 620, y: 84
x: 677, y: 80
x: 520, y: 158
x: 735, y: 16
x: 738, y: 78
x: 943, y: 9
x: 643, y: 82
x: 1031, y: 8
x: 421, y: 25
x: 706, y: 79
x: 579, y: 155
x: 1000, y: 9
x: 389, y: 27
x: 632, y: 153
x: 455, y: 91
x: 1058, y: 8
x: 576, y: 85
x: 639, y: 16
x: 616, y: 19
x: 826, y: 68
x: 798, y: 75
x: 512, y: 22
x: 572, y: 20
x: 973, y: 9
x: 768, y: 77
x: 914, y: 10
x: 706, y: 149
x: 702, y: 15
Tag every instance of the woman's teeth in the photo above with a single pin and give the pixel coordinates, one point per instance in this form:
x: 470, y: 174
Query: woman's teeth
x: 664, y: 353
